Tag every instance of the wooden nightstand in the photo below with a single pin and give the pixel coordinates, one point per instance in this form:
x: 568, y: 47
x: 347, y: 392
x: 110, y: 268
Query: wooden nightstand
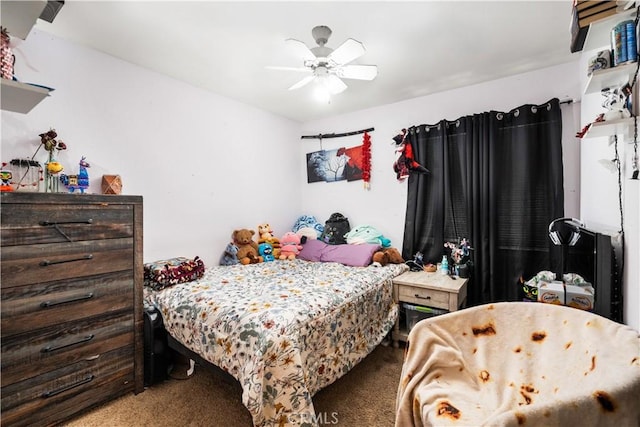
x: 427, y: 289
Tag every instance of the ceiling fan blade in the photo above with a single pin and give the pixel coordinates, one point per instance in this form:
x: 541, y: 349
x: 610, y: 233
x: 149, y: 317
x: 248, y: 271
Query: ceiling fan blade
x: 358, y: 72
x: 334, y: 84
x: 275, y: 67
x: 347, y: 52
x: 300, y: 49
x: 302, y: 82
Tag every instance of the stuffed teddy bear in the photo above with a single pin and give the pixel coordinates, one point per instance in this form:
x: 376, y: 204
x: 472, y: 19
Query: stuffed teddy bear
x: 386, y: 256
x: 247, y: 247
x: 366, y: 234
x: 265, y: 235
x: 290, y: 245
x: 266, y: 251
x: 230, y: 256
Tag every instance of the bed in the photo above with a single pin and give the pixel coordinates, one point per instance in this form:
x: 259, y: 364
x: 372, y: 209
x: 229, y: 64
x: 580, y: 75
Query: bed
x: 283, y: 329
x: 520, y: 363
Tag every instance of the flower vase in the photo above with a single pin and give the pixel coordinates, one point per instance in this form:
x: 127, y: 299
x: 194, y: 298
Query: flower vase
x: 51, y: 182
x: 463, y: 270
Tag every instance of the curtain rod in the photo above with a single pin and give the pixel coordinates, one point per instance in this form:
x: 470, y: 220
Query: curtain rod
x: 566, y: 101
x: 336, y: 135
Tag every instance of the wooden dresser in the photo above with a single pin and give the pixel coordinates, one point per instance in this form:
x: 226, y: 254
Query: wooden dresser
x: 72, y: 312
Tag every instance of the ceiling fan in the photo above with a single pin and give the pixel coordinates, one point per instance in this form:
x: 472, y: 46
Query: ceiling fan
x: 329, y: 66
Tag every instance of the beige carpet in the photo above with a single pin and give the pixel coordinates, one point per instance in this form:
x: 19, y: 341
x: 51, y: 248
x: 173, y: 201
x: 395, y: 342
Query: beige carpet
x: 363, y: 397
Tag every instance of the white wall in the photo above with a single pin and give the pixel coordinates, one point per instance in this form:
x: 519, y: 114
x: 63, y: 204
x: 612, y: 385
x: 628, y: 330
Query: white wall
x: 204, y: 164
x: 599, y: 200
x: 384, y: 205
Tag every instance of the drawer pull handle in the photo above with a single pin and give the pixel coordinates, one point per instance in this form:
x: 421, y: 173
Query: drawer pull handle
x: 52, y: 348
x: 55, y: 225
x: 427, y: 297
x: 85, y: 380
x: 46, y: 262
x: 86, y: 221
x: 47, y: 304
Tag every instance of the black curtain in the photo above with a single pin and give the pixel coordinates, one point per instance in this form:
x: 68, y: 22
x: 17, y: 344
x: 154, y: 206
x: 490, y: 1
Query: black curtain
x: 496, y: 179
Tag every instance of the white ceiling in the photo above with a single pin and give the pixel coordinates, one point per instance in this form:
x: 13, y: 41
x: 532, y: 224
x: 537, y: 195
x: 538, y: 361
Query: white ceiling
x: 419, y: 47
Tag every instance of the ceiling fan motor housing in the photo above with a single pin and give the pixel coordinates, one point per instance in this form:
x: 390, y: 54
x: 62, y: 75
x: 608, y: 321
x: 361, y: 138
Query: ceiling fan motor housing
x: 321, y: 34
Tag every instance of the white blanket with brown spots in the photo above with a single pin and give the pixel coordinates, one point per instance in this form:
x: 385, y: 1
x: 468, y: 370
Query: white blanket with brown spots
x: 519, y: 363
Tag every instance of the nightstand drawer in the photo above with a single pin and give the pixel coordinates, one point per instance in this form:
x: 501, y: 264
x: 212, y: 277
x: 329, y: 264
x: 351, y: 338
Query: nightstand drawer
x: 422, y: 296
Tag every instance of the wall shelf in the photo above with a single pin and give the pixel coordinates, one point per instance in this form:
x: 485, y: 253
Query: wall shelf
x: 622, y: 127
x: 610, y: 77
x: 21, y: 97
x: 18, y: 17
x: 599, y: 34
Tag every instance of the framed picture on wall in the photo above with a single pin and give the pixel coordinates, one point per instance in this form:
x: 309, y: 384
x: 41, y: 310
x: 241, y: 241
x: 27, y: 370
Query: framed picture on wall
x: 326, y: 165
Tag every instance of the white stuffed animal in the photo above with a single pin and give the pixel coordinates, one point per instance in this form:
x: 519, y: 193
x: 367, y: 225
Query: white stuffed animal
x: 615, y: 103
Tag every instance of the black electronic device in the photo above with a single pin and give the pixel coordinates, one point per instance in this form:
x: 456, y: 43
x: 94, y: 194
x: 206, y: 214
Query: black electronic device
x: 591, y: 255
x: 157, y: 354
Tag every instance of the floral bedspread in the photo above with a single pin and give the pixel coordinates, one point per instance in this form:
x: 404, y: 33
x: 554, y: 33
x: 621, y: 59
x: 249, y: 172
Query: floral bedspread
x: 283, y: 329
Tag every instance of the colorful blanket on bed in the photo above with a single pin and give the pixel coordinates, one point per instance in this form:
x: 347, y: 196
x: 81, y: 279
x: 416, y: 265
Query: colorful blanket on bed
x: 284, y: 329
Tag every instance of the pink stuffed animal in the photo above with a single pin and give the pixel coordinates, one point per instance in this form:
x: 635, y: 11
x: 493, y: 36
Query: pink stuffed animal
x: 290, y: 245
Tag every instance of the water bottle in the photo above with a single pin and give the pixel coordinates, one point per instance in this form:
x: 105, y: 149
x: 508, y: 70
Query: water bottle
x: 445, y: 265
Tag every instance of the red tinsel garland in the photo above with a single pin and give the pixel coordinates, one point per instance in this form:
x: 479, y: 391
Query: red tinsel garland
x: 366, y: 160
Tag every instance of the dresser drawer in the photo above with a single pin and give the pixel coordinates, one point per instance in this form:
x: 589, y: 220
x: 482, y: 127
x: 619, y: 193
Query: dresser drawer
x: 422, y: 296
x: 58, y: 395
x: 31, y: 354
x: 24, y: 265
x: 24, y: 225
x: 31, y: 307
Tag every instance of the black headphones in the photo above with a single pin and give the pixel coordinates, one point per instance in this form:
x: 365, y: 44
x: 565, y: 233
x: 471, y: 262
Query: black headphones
x: 555, y: 230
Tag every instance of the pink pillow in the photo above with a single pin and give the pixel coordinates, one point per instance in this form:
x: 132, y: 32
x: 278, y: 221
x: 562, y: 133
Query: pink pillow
x: 312, y: 250
x: 353, y: 255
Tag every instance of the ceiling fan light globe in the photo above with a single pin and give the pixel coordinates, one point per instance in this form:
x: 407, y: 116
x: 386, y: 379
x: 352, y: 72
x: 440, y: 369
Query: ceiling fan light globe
x: 322, y: 94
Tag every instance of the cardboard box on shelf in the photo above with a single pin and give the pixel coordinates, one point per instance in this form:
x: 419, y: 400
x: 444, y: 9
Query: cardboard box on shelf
x: 579, y: 297
x: 551, y: 292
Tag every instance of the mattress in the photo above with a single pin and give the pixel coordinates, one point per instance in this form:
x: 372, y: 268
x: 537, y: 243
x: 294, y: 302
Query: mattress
x: 283, y: 329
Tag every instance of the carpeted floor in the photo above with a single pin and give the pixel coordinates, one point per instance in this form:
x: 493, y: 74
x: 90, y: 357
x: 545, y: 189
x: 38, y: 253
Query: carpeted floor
x: 365, y: 396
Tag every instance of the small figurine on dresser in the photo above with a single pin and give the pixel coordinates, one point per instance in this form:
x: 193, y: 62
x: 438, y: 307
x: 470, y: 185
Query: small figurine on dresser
x: 79, y: 181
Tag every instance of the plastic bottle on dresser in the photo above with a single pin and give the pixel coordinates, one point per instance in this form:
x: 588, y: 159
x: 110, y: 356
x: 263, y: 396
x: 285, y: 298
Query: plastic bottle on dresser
x: 445, y: 265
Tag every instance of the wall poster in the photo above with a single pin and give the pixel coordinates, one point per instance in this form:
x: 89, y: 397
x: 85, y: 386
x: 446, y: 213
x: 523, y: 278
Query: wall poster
x: 335, y: 165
